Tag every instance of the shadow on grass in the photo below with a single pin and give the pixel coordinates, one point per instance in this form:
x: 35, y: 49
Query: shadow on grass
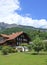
x: 38, y: 53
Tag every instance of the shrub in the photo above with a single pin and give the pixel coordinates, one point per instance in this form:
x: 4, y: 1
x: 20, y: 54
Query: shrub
x: 5, y: 50
x: 34, y: 53
x: 29, y: 47
x: 14, y: 50
x: 9, y: 49
x: 0, y: 47
x: 23, y: 44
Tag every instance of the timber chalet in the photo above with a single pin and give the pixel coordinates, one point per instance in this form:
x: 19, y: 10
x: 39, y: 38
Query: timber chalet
x: 14, y: 39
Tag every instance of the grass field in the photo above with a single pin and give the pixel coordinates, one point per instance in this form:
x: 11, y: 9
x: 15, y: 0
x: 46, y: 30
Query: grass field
x: 23, y: 59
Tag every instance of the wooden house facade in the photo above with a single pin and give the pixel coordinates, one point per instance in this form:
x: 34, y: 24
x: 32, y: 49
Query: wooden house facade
x: 14, y: 39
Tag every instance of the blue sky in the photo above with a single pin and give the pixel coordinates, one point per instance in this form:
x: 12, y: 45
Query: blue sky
x: 36, y: 8
x: 24, y: 12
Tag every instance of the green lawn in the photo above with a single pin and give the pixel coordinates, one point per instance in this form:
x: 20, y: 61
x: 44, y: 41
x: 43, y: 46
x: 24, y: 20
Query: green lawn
x: 23, y: 59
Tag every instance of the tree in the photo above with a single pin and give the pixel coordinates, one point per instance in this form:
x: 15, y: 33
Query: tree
x: 45, y: 45
x: 37, y: 44
x: 5, y: 50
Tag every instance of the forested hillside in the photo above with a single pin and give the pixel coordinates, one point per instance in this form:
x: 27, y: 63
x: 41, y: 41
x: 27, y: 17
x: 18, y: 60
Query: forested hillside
x: 31, y: 32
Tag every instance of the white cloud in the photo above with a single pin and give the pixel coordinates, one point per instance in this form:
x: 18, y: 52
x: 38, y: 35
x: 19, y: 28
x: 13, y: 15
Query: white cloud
x: 7, y: 15
x: 7, y: 7
x: 36, y: 23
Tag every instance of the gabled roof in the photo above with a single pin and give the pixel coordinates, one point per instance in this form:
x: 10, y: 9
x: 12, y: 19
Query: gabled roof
x: 10, y: 37
x: 4, y: 35
x: 14, y: 35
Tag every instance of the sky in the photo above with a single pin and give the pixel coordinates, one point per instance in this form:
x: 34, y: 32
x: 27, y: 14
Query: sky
x: 24, y: 12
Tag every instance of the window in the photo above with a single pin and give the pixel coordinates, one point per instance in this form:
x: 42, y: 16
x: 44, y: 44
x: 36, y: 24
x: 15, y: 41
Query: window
x: 22, y: 36
x: 24, y: 39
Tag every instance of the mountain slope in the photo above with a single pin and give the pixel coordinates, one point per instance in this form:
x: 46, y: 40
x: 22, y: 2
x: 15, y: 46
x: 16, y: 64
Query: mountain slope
x: 5, y: 25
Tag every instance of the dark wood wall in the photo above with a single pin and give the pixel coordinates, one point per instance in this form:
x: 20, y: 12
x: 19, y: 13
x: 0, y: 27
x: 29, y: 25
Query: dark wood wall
x: 21, y: 39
